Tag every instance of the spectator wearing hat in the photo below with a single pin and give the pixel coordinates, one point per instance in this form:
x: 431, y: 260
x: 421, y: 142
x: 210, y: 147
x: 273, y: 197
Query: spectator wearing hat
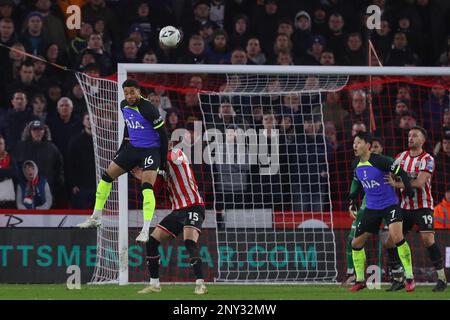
x: 241, y: 31
x: 218, y: 51
x: 336, y: 36
x: 206, y: 31
x: 315, y: 51
x: 80, y: 173
x: 265, y: 23
x: 302, y: 37
x: 33, y: 190
x: 196, y: 51
x: 201, y: 14
x: 254, y: 52
x: 8, y: 175
x: 36, y: 145
x: 16, y: 119
x: 53, y: 26
x: 33, y: 37
x: 136, y: 33
x: 442, y: 157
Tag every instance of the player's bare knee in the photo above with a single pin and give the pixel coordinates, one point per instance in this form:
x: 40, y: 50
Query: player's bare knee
x: 427, y: 238
x: 357, y: 243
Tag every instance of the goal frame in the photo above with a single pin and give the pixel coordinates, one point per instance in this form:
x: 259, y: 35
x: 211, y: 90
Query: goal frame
x: 124, y: 68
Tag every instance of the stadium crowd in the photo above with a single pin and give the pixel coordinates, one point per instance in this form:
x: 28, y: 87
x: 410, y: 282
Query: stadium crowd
x: 46, y: 148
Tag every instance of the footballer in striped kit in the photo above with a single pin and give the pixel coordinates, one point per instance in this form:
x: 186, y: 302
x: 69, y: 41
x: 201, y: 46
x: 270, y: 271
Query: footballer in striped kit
x: 187, y: 217
x: 418, y: 209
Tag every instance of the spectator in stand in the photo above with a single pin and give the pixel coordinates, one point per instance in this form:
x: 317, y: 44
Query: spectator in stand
x: 33, y: 191
x: 327, y: 58
x: 173, y: 120
x: 388, y: 126
x: 10, y: 72
x: 97, y: 10
x: 33, y: 37
x: 239, y: 56
x: 333, y: 111
x: 217, y: 12
x: 442, y: 212
x: 102, y: 57
x: 25, y: 82
x: 54, y: 54
x: 302, y: 34
x: 39, y: 106
x: 319, y: 20
x: 241, y: 33
x: 442, y: 180
x: 54, y: 93
x: 355, y: 54
x: 108, y: 45
x: 226, y: 117
x: 79, y: 43
x: 218, y: 52
x: 36, y: 145
x: 52, y: 25
x: 382, y: 38
x: 150, y: 57
x: 86, y: 58
x: 156, y: 101
x: 7, y: 38
x: 433, y: 109
x: 136, y: 33
x: 315, y: 51
x: 143, y: 20
x: 359, y: 110
x: 40, y: 73
x: 201, y: 12
x: 206, y: 31
x: 399, y: 139
x: 80, y: 172
x: 293, y: 108
x: 7, y: 9
x: 129, y: 52
x: 254, y: 53
x: 78, y: 101
x: 285, y: 26
x: 336, y: 36
x: 284, y: 59
x: 196, y: 53
x: 16, y: 119
x: 412, y: 33
x: 401, y: 54
x: 64, y: 125
x: 265, y: 22
x: 196, y: 82
x: 282, y: 44
x: 8, y: 174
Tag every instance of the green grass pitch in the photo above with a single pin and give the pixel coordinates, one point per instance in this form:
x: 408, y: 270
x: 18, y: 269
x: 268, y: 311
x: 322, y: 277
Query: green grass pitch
x: 216, y: 292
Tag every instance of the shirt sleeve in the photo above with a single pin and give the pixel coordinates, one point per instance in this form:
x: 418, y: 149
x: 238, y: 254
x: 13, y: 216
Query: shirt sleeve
x: 427, y: 164
x: 151, y: 113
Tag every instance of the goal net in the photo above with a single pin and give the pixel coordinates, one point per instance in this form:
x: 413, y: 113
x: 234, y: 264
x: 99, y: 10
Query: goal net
x: 271, y: 152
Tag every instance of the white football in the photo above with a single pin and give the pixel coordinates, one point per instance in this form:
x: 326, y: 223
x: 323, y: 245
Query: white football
x: 169, y: 36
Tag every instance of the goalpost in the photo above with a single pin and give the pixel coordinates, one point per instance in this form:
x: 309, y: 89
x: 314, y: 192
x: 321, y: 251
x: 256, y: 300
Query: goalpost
x: 271, y: 208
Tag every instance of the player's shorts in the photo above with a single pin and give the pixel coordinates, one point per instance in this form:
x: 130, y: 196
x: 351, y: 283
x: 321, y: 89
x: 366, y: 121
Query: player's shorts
x: 423, y: 218
x: 129, y: 157
x: 371, y: 220
x: 177, y: 220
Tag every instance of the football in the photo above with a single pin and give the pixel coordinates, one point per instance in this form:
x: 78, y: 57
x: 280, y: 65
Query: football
x: 169, y: 36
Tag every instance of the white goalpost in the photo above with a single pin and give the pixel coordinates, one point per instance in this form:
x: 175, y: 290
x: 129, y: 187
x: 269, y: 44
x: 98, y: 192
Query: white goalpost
x: 256, y: 242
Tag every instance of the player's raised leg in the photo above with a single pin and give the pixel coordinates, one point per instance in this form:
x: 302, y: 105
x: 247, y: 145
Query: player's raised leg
x: 148, y: 203
x: 102, y: 194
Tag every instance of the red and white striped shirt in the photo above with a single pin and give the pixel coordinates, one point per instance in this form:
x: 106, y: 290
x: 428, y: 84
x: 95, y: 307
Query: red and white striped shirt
x: 180, y: 181
x: 412, y: 166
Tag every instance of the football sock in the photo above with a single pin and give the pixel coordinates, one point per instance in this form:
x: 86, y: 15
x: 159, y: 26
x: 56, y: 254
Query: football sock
x: 404, y: 253
x: 395, y: 264
x: 153, y: 258
x: 102, y: 194
x: 359, y: 260
x: 436, y: 259
x: 149, y: 202
x: 196, y: 261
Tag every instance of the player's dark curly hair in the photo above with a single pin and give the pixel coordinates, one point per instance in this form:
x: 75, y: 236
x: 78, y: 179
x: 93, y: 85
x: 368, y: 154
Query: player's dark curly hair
x: 131, y: 83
